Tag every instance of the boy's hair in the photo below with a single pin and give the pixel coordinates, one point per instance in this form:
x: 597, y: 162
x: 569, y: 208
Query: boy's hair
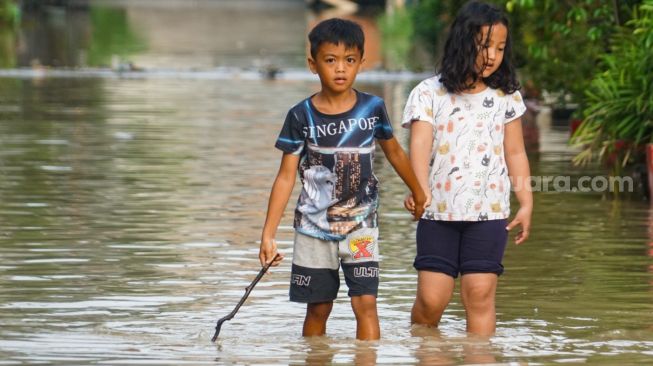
x: 458, y: 62
x: 337, y: 31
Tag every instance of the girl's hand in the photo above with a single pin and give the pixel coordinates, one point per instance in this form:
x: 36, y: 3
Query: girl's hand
x: 268, y: 251
x: 523, y: 218
x: 409, y: 204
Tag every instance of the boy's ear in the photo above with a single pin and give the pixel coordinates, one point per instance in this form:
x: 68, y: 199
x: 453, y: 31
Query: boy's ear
x: 311, y: 65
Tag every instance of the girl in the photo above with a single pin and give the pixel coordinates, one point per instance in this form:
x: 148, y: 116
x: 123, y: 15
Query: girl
x: 466, y: 145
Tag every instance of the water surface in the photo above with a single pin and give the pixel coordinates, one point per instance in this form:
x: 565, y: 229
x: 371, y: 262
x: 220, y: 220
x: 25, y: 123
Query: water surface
x: 130, y: 212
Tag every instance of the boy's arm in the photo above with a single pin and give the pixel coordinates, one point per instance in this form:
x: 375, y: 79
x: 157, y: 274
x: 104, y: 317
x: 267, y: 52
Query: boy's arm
x: 399, y: 160
x: 519, y: 172
x: 279, y: 196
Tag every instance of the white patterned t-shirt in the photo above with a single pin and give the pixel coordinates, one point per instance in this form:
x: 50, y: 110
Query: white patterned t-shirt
x: 468, y: 173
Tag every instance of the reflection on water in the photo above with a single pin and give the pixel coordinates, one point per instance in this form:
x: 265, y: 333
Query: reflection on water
x: 159, y: 34
x: 172, y: 34
x: 130, y: 213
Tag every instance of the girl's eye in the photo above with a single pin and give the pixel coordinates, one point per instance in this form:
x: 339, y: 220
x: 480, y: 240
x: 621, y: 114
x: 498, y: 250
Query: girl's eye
x: 501, y: 49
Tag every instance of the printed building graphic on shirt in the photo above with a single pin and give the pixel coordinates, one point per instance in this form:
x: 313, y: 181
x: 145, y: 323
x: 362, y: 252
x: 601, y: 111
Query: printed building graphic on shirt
x: 339, y: 190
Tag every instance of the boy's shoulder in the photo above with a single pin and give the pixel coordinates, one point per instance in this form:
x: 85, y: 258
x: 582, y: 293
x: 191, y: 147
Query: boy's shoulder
x: 369, y: 98
x: 365, y: 98
x: 299, y: 106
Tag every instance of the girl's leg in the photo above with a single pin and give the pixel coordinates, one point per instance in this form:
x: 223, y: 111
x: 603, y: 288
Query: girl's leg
x: 434, y: 292
x: 438, y: 250
x: 317, y: 315
x: 367, y: 319
x: 481, y: 253
x: 478, y: 295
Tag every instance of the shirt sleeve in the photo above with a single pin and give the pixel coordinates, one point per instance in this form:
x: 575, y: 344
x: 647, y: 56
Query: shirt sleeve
x: 419, y: 106
x: 515, y: 107
x: 383, y: 127
x: 291, y: 138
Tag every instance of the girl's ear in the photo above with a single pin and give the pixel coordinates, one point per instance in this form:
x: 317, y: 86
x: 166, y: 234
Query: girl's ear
x: 311, y: 65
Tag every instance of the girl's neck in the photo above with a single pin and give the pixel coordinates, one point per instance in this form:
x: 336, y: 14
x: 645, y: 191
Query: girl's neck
x: 334, y: 103
x: 477, y: 87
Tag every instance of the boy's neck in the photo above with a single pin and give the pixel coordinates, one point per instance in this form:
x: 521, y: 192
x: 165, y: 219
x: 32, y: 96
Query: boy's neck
x: 328, y: 102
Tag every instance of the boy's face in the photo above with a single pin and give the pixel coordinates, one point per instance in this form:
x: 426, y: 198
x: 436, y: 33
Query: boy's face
x: 490, y: 50
x: 336, y: 66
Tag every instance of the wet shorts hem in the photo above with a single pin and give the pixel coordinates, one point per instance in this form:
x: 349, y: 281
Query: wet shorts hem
x: 435, y: 264
x: 481, y: 267
x: 361, y: 293
x: 309, y: 301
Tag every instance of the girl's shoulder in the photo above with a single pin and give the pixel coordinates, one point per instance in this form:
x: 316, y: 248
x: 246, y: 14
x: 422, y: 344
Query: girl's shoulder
x: 515, y: 96
x: 432, y: 86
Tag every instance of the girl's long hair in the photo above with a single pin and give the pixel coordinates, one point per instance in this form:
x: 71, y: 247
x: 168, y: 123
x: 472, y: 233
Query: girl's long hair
x: 458, y: 65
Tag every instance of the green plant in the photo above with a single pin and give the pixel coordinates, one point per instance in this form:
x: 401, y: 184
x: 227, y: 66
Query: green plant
x: 558, y: 43
x: 397, y: 31
x: 9, y: 14
x: 112, y: 35
x: 618, y: 117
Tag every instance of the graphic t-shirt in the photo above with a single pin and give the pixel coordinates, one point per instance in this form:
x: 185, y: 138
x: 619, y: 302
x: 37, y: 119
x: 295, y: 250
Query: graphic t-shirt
x: 339, y: 190
x: 468, y: 174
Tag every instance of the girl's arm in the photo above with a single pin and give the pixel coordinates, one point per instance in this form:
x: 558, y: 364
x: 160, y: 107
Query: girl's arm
x: 279, y: 196
x: 399, y: 160
x: 519, y: 172
x: 421, y: 144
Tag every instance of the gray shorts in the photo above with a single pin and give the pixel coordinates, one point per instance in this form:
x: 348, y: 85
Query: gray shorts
x: 315, y: 265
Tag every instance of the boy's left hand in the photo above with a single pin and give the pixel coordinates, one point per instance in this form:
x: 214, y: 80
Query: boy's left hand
x: 523, y: 218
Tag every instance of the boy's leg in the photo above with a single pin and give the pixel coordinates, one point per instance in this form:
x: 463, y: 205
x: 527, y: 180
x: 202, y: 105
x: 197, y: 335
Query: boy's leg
x: 314, y: 280
x: 367, y: 319
x: 316, y: 318
x: 482, y: 248
x: 438, y: 245
x: 359, y: 254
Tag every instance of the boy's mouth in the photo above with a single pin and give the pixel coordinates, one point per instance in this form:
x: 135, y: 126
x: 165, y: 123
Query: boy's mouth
x: 340, y: 80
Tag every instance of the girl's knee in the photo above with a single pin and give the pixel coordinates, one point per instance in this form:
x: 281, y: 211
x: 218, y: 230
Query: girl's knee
x: 478, y: 296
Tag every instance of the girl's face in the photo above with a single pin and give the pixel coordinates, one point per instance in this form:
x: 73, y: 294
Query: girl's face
x: 490, y: 49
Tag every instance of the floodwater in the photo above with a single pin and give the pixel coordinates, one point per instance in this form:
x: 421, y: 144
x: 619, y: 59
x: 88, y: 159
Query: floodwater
x: 131, y: 205
x: 131, y: 211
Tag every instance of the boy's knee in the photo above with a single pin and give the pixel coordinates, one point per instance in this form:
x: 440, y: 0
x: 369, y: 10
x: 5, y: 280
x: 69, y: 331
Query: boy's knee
x: 364, y: 304
x: 320, y: 310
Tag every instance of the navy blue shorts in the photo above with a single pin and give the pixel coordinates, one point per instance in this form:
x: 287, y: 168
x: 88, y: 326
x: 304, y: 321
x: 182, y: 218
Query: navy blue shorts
x: 454, y: 247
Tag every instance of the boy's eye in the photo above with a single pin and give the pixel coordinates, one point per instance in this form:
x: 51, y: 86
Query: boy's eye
x: 329, y: 60
x: 351, y: 60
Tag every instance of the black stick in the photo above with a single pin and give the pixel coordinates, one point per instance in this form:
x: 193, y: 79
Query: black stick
x: 248, y: 289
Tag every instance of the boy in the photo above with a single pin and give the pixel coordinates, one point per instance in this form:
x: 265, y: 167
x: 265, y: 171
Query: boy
x: 330, y: 137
